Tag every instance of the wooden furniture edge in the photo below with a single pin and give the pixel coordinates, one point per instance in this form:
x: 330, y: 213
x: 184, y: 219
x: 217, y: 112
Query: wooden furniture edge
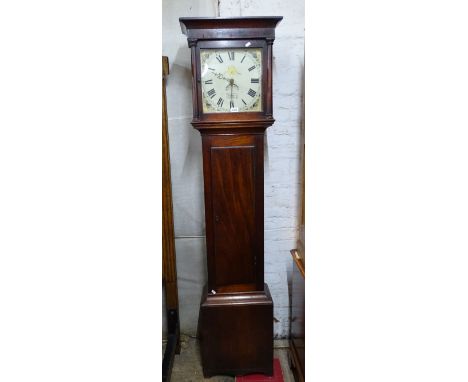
x: 298, y: 260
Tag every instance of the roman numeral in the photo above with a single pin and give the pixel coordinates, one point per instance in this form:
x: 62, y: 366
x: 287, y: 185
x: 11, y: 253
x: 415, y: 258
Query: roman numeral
x: 243, y: 59
x: 212, y: 93
x: 231, y: 56
x: 208, y: 82
x: 211, y: 68
x: 254, y: 80
x: 218, y: 57
x: 251, y: 93
x: 220, y: 102
x: 251, y: 68
x: 245, y: 103
x: 231, y: 104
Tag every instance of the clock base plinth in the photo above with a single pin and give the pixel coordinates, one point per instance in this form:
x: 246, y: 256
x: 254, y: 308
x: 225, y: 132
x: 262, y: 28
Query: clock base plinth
x: 236, y: 333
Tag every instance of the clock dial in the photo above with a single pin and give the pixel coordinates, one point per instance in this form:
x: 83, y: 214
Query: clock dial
x: 231, y: 80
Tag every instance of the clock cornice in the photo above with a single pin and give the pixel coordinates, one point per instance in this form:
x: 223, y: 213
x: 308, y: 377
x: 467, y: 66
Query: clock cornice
x: 226, y: 28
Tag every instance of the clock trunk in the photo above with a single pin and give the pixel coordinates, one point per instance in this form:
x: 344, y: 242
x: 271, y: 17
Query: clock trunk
x: 233, y: 179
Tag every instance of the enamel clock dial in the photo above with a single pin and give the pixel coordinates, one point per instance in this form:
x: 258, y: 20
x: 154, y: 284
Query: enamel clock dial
x: 231, y: 80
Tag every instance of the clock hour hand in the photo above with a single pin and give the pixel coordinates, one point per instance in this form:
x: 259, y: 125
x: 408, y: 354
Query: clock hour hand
x: 231, y: 83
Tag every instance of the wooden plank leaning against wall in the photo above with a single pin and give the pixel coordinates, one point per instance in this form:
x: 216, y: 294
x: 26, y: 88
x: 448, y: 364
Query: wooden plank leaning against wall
x: 169, y: 256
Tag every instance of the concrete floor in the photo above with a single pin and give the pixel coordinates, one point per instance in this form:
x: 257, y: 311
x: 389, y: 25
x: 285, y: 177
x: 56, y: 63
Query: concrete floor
x: 187, y: 364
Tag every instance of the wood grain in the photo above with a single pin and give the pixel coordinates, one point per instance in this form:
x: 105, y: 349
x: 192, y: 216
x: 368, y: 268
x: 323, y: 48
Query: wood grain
x: 233, y: 176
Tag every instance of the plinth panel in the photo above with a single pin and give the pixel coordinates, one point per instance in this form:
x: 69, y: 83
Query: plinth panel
x: 236, y: 333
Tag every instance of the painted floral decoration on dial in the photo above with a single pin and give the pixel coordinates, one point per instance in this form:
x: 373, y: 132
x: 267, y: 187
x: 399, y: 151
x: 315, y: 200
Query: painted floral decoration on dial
x: 231, y: 80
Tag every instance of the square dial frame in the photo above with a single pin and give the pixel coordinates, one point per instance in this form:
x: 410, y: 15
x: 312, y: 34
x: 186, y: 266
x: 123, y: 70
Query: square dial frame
x: 210, y: 113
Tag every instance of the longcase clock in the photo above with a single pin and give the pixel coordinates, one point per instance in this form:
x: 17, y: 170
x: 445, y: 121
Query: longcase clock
x: 232, y: 108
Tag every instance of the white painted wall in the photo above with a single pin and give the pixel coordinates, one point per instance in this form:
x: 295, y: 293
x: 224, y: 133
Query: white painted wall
x: 281, y: 151
x: 186, y: 160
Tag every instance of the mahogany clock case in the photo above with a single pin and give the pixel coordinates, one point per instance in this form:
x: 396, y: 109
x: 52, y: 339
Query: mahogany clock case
x: 236, y: 311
